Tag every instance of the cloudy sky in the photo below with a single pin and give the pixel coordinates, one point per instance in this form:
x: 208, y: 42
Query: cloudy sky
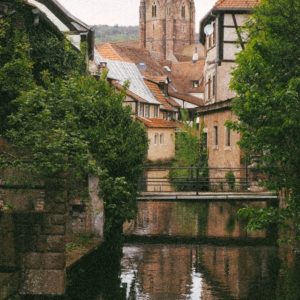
x: 122, y: 12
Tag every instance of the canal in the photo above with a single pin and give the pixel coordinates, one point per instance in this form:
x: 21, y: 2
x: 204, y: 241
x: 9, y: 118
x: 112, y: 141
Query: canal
x: 189, y: 250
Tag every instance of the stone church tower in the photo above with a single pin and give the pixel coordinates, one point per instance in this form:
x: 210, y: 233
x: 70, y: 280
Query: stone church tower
x: 167, y: 26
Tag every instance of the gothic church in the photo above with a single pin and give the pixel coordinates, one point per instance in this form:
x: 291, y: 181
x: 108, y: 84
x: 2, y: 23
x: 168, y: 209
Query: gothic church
x: 167, y: 26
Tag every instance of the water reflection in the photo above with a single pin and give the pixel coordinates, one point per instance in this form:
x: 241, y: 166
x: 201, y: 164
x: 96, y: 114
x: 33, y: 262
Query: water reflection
x: 190, y: 219
x: 207, y: 271
x: 198, y: 272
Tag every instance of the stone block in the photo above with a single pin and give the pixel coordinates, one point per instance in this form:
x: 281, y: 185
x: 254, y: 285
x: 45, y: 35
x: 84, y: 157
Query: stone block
x: 41, y: 244
x: 55, y: 230
x: 58, y: 208
x: 54, y: 261
x: 58, y: 219
x: 33, y: 261
x: 43, y: 282
x: 56, y: 243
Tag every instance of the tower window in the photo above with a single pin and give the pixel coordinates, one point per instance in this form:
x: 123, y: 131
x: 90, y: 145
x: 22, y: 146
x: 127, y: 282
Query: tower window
x: 154, y: 10
x: 216, y: 136
x: 183, y: 11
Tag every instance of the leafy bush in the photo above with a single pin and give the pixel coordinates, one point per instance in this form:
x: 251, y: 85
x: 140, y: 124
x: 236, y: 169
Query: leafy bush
x: 230, y: 179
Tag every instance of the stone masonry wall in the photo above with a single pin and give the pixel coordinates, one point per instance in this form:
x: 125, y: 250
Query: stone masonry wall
x: 41, y: 245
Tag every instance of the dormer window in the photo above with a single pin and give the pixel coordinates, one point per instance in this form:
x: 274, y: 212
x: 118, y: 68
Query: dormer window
x: 154, y: 10
x: 183, y: 11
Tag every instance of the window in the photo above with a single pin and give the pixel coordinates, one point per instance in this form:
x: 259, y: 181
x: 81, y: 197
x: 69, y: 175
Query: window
x: 169, y: 11
x: 216, y: 136
x: 214, y: 34
x: 147, y: 111
x: 154, y: 10
x: 214, y: 86
x: 156, y: 139
x: 161, y: 139
x: 156, y: 110
x: 211, y: 39
x: 196, y: 83
x: 141, y: 110
x: 183, y: 11
x: 227, y: 137
x: 209, y: 89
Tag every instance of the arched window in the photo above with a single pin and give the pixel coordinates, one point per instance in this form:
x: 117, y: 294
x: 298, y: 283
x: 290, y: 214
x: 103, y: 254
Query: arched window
x: 183, y: 11
x: 156, y: 139
x: 154, y: 10
x: 161, y: 138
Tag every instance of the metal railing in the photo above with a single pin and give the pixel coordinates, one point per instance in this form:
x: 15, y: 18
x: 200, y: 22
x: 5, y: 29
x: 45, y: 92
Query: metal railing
x: 193, y: 179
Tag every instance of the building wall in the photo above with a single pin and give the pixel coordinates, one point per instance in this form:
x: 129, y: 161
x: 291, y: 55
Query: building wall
x: 221, y: 155
x: 221, y: 66
x: 161, y: 151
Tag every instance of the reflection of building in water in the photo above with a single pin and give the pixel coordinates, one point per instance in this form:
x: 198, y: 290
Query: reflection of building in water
x: 163, y: 272
x: 222, y: 220
x: 199, y: 272
x: 236, y: 272
x: 167, y: 218
x: 209, y: 219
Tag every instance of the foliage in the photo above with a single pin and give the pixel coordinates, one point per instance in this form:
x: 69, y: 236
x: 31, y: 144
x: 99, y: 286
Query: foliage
x: 27, y: 52
x: 230, y: 179
x: 267, y: 82
x: 77, y: 127
x: 190, y: 167
x: 105, y: 33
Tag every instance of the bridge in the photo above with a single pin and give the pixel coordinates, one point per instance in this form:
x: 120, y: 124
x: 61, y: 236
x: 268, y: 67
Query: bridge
x: 195, y: 183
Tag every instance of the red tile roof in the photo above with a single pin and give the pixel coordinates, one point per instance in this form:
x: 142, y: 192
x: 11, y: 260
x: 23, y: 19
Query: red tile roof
x: 159, y: 96
x: 184, y: 73
x: 158, y: 123
x: 223, y: 4
x: 107, y: 51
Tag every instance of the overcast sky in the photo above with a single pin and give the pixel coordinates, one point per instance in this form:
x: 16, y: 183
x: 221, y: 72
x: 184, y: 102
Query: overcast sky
x: 122, y: 12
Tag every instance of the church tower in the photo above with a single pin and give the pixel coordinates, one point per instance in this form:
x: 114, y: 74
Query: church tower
x: 167, y: 26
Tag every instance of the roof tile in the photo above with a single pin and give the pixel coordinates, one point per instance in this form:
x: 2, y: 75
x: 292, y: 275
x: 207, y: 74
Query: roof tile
x: 221, y: 4
x: 158, y: 123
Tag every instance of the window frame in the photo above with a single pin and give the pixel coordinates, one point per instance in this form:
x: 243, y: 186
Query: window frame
x: 141, y: 110
x: 216, y: 136
x: 156, y: 111
x: 227, y: 137
x: 161, y: 139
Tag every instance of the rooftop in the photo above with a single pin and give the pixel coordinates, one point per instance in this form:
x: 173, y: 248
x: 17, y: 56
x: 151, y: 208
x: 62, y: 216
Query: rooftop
x: 123, y: 71
x: 157, y: 123
x: 223, y: 4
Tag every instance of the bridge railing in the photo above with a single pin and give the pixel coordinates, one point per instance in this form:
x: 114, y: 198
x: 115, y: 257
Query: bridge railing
x: 193, y: 179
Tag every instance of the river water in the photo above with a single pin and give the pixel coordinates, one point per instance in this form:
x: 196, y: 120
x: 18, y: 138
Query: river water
x: 188, y: 250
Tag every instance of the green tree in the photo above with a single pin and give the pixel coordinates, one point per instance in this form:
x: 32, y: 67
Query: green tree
x: 267, y: 82
x: 190, y: 167
x: 27, y: 52
x: 76, y: 127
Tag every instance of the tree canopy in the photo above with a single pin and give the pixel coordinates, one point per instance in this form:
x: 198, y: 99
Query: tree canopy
x: 61, y: 122
x: 267, y: 83
x: 27, y: 52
